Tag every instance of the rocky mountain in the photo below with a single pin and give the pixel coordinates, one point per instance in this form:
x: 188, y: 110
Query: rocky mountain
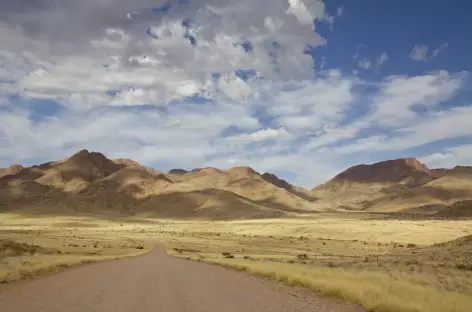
x: 396, y: 185
x: 398, y: 170
x: 12, y: 170
x: 90, y: 182
x: 177, y: 171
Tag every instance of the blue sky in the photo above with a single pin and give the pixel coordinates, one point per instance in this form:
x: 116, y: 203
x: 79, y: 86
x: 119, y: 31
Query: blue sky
x: 303, y: 89
x: 395, y: 27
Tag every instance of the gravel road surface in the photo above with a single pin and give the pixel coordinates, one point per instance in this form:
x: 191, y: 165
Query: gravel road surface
x: 156, y: 282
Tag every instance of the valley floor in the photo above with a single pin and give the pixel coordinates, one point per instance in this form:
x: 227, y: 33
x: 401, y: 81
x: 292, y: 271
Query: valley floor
x: 383, y: 264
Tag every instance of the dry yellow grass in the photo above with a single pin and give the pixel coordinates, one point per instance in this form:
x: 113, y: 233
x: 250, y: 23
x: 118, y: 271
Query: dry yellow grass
x: 29, y: 247
x: 356, y: 257
x: 363, y: 227
x: 383, y: 265
x: 376, y: 291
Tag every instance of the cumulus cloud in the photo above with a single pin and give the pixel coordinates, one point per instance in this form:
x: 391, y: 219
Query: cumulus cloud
x: 309, y: 128
x: 168, y: 50
x: 206, y: 83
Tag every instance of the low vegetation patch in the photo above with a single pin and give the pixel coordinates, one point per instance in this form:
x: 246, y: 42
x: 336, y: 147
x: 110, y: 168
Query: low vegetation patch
x: 9, y: 247
x: 303, y: 256
x: 228, y: 255
x: 26, y: 252
x: 376, y: 291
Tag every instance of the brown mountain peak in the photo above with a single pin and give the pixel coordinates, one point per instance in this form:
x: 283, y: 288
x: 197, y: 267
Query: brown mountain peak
x: 178, y: 171
x: 12, y: 170
x: 126, y: 162
x: 16, y: 167
x: 242, y: 171
x: 208, y: 170
x: 83, y: 165
x: 85, y: 155
x: 415, y: 163
x: 386, y: 171
x: 275, y: 180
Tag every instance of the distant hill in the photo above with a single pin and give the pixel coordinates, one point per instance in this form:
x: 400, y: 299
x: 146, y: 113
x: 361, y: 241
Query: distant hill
x: 12, y: 170
x: 460, y: 209
x: 409, y: 170
x: 395, y: 185
x: 177, y: 171
x: 89, y: 182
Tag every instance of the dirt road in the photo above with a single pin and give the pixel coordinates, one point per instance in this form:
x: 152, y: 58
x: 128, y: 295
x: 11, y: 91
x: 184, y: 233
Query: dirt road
x: 158, y: 283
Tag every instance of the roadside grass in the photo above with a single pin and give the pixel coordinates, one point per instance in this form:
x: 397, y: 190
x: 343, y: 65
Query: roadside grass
x: 376, y: 291
x: 396, y: 272
x: 14, y: 269
x: 33, y: 247
x: 383, y: 265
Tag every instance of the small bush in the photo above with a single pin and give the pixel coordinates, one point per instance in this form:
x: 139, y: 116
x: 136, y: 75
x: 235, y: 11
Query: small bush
x: 227, y: 255
x: 247, y: 257
x: 411, y: 245
x: 464, y: 267
x: 302, y: 256
x: 139, y: 247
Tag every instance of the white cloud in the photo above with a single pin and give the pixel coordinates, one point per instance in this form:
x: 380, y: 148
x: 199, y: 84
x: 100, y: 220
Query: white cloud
x: 301, y: 12
x: 381, y: 59
x: 323, y: 63
x: 340, y: 11
x: 364, y: 64
x: 312, y: 131
x: 440, y: 49
x: 261, y: 135
x: 421, y: 52
x: 431, y: 128
x: 310, y: 104
x: 126, y: 82
x: 114, y: 52
x: 400, y: 95
x: 449, y: 157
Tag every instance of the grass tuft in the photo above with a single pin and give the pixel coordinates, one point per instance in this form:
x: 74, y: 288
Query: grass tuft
x: 376, y: 291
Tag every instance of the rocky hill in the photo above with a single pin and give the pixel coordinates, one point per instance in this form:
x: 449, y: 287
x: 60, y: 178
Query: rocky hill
x: 395, y: 185
x: 90, y: 182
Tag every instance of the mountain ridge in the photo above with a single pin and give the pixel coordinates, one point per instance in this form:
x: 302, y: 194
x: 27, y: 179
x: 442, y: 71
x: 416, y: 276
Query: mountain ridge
x: 91, y: 181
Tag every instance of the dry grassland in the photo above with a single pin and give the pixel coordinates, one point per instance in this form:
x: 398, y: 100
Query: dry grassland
x: 383, y: 265
x: 29, y: 247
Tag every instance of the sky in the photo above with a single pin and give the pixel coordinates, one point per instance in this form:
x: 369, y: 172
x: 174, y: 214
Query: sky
x: 300, y: 88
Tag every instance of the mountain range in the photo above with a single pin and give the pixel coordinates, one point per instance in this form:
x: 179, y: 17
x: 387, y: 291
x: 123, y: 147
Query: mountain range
x: 90, y: 183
